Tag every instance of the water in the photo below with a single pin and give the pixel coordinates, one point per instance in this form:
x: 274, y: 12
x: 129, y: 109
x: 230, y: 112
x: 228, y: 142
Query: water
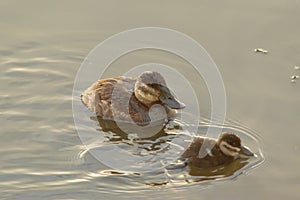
x: 155, y: 160
x: 43, y: 45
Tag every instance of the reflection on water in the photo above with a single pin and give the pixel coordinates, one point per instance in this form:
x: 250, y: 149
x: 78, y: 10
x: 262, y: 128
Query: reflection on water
x: 43, y: 45
x: 219, y: 171
x: 37, y: 161
x: 158, y: 146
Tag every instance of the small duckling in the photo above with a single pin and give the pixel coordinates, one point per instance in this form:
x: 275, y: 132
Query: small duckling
x: 130, y: 99
x: 226, y: 149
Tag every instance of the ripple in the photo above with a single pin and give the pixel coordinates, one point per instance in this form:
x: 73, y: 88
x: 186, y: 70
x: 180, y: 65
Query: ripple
x: 45, y: 99
x: 19, y: 71
x: 35, y: 61
x: 25, y: 45
x: 166, y: 143
x: 5, y: 53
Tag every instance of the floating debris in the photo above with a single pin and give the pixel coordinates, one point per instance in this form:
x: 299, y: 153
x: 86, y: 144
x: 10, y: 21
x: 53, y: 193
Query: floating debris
x: 296, y: 67
x: 294, y: 78
x: 261, y: 50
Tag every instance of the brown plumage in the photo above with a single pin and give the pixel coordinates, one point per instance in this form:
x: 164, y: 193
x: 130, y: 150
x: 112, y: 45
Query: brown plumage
x: 226, y: 149
x: 130, y: 99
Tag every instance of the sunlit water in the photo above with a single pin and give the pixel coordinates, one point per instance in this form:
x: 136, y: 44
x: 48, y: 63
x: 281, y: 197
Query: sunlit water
x: 47, y: 159
x: 43, y: 45
x: 163, y: 151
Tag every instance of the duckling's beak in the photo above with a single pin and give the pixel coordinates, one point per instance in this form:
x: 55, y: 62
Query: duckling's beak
x: 167, y: 98
x: 245, y: 152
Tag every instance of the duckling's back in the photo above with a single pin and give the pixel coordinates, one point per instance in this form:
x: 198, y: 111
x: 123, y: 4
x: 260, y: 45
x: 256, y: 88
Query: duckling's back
x: 213, y: 158
x: 98, y: 96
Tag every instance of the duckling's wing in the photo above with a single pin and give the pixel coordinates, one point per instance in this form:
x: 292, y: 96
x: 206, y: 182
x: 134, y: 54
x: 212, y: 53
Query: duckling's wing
x: 194, y: 148
x: 213, y: 157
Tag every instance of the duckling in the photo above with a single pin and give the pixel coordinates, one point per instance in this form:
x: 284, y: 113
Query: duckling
x: 130, y: 99
x: 226, y: 149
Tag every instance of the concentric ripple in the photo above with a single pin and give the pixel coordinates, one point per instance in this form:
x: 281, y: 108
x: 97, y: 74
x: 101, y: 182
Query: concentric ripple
x: 167, y: 145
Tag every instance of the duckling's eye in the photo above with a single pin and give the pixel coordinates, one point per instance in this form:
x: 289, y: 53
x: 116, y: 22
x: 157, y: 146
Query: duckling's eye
x: 152, y: 85
x: 170, y: 98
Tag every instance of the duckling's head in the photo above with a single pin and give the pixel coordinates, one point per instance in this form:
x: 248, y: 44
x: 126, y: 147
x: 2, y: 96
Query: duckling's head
x: 230, y: 145
x: 151, y: 88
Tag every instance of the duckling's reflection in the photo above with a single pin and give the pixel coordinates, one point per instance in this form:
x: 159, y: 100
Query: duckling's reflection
x: 159, y: 141
x: 222, y: 171
x: 191, y: 174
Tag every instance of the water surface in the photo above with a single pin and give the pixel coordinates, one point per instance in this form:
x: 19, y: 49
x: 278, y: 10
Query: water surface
x: 43, y: 45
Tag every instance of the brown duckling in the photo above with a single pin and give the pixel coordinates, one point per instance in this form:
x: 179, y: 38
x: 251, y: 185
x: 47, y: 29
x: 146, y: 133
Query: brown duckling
x: 130, y: 99
x: 227, y: 148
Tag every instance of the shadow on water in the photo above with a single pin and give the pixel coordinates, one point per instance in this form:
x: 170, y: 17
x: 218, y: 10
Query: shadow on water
x: 166, y: 141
